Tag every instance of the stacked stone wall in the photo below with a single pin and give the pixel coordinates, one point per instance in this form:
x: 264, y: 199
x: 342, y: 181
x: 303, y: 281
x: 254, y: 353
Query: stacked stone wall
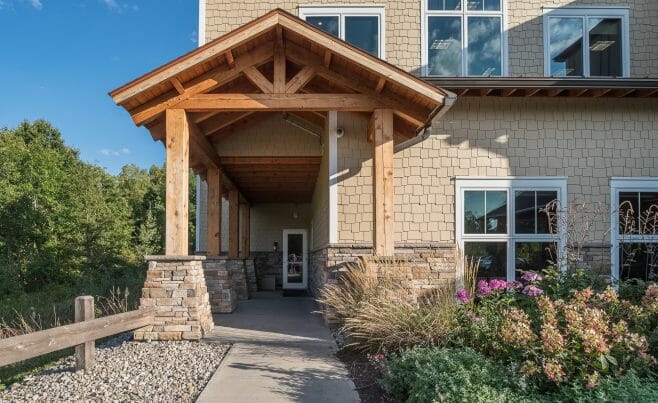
x: 176, y: 287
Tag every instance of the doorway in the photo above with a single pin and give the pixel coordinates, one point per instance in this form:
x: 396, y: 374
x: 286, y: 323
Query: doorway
x: 295, y: 259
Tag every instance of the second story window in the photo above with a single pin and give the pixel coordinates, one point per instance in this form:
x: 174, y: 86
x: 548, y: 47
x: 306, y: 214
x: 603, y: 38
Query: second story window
x: 463, y: 37
x: 360, y: 26
x: 585, y: 42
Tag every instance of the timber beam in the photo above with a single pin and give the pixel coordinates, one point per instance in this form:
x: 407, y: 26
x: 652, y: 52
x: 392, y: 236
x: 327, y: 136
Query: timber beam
x: 383, y: 192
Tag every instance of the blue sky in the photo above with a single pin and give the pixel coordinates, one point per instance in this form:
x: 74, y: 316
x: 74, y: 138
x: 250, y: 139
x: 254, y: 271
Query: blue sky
x: 60, y: 58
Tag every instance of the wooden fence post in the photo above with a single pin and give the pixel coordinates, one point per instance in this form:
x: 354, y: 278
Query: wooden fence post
x: 84, y: 353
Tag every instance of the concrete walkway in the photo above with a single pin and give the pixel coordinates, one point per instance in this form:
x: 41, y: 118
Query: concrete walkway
x: 281, y: 353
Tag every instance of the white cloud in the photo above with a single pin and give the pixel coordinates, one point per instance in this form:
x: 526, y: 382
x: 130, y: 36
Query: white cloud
x: 36, y: 4
x: 114, y: 153
x: 119, y: 7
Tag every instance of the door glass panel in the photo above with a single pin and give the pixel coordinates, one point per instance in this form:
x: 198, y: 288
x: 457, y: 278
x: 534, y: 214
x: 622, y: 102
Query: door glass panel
x: 484, y: 46
x: 492, y: 257
x: 566, y: 46
x: 445, y: 46
x: 605, y: 47
x: 534, y: 256
x: 363, y: 32
x: 326, y: 23
x: 295, y: 258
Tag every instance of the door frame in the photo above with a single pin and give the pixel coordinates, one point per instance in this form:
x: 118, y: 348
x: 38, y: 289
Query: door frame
x: 304, y: 284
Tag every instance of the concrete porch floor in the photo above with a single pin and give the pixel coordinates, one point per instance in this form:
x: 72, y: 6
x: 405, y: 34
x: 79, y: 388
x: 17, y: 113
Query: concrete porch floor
x: 281, y: 353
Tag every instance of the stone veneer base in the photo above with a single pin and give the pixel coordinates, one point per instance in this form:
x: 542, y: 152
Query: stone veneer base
x: 176, y: 287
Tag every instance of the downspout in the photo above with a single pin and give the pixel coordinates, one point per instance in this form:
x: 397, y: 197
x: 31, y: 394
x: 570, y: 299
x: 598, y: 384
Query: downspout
x: 423, y: 132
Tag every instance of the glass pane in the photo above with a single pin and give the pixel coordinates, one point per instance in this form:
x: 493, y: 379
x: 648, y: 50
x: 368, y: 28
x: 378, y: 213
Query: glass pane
x: 444, y: 4
x: 363, y: 32
x: 474, y: 212
x: 533, y: 256
x: 649, y: 213
x: 445, y: 46
x: 492, y: 257
x: 605, y: 57
x: 628, y: 212
x: 295, y: 258
x: 638, y: 260
x: 566, y: 46
x: 475, y: 4
x: 492, y: 5
x: 546, y: 209
x: 326, y: 23
x: 524, y: 204
x: 496, y: 212
x: 484, y: 46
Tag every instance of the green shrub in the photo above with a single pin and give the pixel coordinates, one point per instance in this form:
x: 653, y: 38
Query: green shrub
x: 451, y: 375
x: 630, y: 388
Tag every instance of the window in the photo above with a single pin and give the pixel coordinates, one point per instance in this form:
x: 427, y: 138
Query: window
x: 634, y: 228
x: 463, y: 38
x: 583, y: 42
x: 507, y: 225
x: 360, y: 26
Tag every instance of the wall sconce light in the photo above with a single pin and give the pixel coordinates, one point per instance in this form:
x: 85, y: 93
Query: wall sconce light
x: 275, y: 247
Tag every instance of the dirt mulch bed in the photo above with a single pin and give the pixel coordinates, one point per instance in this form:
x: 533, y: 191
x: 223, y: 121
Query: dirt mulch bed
x: 364, y: 376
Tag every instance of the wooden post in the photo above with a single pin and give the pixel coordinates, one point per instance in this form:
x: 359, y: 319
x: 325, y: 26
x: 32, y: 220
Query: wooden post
x: 233, y: 223
x: 383, y: 194
x: 244, y: 234
x: 84, y: 353
x: 178, y: 156
x: 214, y: 226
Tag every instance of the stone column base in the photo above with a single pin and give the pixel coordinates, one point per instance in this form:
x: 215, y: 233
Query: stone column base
x: 176, y: 287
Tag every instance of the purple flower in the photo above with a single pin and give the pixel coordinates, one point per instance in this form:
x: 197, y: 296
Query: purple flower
x: 462, y: 295
x: 483, y: 289
x: 472, y: 316
x: 532, y: 291
x: 514, y: 285
x: 531, y: 277
x: 497, y: 285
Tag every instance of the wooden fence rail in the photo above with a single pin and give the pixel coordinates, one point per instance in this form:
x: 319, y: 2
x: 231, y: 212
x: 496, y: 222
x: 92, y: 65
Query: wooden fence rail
x: 82, y: 334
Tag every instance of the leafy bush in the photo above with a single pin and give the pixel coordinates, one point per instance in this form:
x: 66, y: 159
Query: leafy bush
x: 630, y: 388
x: 451, y: 375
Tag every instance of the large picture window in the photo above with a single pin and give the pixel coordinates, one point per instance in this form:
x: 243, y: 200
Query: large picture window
x: 463, y: 38
x: 634, y: 228
x: 586, y: 42
x: 360, y: 26
x: 509, y: 225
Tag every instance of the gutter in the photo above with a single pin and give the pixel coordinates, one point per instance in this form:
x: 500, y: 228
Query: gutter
x: 424, y: 132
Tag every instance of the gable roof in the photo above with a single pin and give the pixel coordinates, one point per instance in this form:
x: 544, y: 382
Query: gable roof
x: 342, y: 68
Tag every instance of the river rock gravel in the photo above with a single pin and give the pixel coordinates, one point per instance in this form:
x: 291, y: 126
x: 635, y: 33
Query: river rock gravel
x: 126, y: 371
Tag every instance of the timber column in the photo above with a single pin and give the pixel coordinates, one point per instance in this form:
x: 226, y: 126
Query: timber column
x: 175, y: 284
x: 383, y: 197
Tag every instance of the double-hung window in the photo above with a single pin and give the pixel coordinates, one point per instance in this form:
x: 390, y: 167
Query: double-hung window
x: 463, y: 38
x: 586, y: 42
x: 634, y: 232
x: 360, y: 26
x: 509, y: 225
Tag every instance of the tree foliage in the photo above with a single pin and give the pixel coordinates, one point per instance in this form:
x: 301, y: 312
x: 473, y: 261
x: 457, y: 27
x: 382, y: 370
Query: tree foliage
x: 62, y: 219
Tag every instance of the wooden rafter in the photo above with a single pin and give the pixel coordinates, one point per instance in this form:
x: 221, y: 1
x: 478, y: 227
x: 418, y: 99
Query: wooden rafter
x: 553, y: 92
x: 230, y: 61
x: 508, y: 92
x: 326, y: 60
x: 380, y: 85
x: 204, y: 83
x: 623, y: 92
x: 177, y: 85
x: 258, y: 79
x: 300, y: 79
x: 279, y: 82
x: 577, y: 93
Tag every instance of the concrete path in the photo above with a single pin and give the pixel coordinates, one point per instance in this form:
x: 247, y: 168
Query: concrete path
x: 281, y: 353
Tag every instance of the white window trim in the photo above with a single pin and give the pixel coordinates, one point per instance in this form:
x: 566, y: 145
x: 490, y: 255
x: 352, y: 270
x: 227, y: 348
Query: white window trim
x: 343, y: 10
x: 589, y: 12
x: 425, y: 13
x: 617, y: 185
x: 508, y: 184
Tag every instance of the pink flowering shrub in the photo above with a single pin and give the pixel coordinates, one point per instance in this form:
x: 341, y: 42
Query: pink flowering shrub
x: 573, y: 341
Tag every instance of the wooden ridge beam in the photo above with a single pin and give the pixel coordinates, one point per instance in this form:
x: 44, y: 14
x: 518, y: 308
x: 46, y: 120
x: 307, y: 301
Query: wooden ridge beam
x: 203, y: 83
x: 282, y: 102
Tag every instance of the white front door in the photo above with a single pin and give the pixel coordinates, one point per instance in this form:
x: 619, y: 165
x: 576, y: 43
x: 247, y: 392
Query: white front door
x: 295, y: 259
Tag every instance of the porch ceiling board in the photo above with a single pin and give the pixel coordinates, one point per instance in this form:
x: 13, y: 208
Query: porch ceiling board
x: 274, y: 179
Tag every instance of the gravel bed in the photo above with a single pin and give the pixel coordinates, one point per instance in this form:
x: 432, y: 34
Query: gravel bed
x: 172, y: 371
